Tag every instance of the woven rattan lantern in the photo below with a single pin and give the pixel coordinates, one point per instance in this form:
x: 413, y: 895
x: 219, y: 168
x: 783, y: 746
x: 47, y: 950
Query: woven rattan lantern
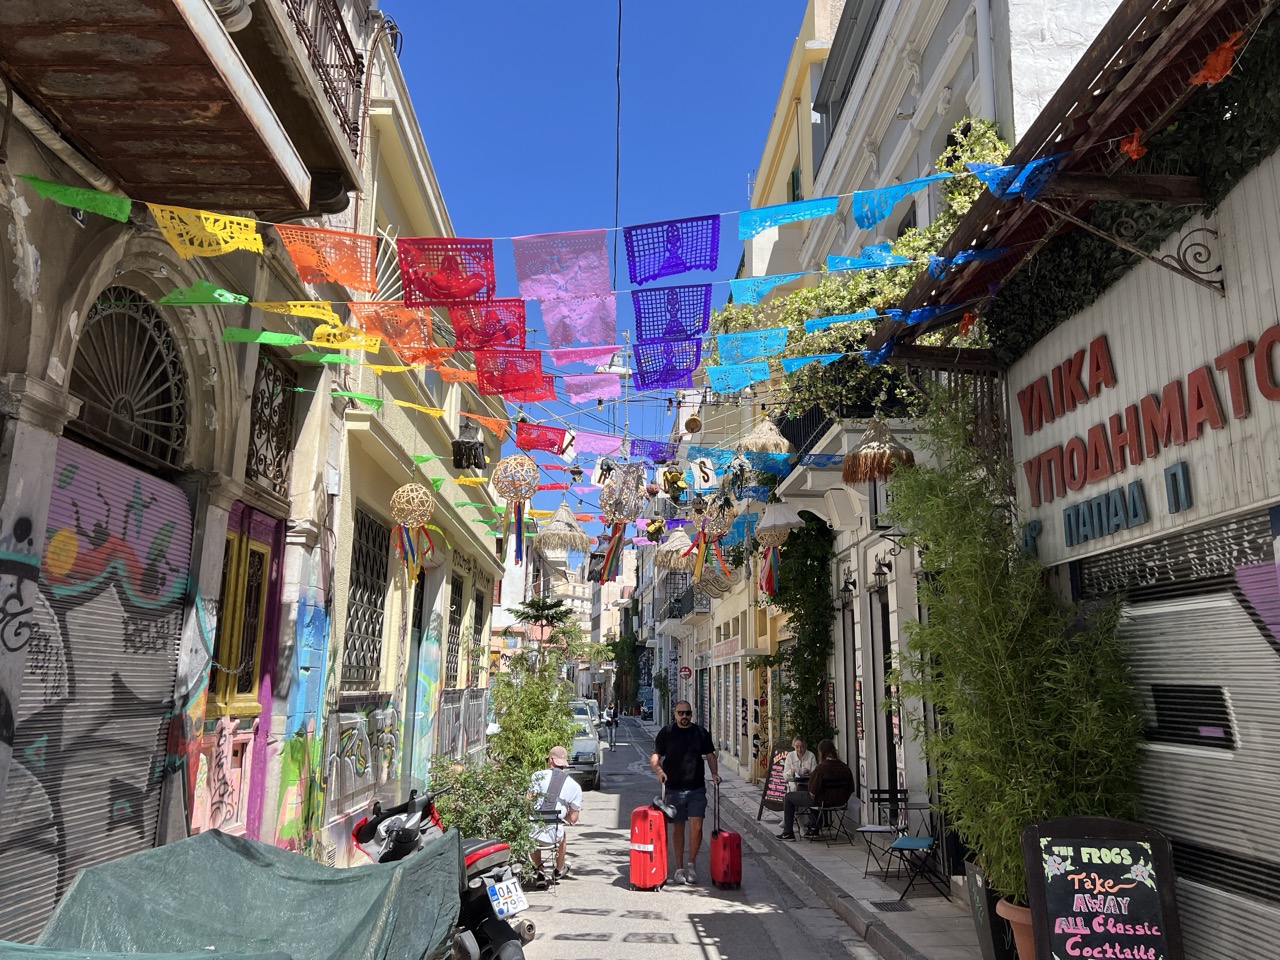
x: 516, y: 480
x: 875, y: 455
x: 562, y: 533
x: 411, y: 508
x: 411, y: 505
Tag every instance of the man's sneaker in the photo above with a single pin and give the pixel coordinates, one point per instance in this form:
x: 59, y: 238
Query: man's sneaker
x: 679, y: 877
x: 690, y: 874
x: 560, y: 874
x: 786, y: 835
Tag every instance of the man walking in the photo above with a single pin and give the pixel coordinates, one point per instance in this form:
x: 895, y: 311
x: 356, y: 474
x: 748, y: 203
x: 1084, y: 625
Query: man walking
x: 678, y: 753
x: 611, y: 726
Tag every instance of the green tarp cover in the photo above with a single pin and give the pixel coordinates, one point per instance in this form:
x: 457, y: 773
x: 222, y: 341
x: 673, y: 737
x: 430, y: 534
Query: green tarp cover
x: 216, y: 894
x: 23, y: 951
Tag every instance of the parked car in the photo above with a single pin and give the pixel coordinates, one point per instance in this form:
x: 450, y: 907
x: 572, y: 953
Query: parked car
x: 588, y: 709
x: 586, y: 756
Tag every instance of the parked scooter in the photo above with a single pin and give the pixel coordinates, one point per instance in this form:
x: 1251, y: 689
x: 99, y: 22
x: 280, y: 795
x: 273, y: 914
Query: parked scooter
x: 488, y: 928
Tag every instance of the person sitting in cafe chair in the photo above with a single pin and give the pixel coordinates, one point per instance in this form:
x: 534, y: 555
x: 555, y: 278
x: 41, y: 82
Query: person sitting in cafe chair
x: 830, y: 785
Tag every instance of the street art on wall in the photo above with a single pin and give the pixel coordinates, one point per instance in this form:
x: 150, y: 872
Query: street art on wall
x: 102, y: 636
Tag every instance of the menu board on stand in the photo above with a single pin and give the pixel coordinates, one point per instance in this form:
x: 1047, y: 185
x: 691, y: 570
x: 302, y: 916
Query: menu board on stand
x: 1101, y: 888
x: 775, y: 785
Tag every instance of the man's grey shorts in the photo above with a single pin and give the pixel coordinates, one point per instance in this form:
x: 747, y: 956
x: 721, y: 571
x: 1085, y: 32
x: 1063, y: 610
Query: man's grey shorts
x: 688, y: 803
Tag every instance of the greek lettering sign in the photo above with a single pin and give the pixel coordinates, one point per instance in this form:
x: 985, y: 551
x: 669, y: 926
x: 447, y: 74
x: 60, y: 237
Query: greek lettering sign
x: 1101, y: 888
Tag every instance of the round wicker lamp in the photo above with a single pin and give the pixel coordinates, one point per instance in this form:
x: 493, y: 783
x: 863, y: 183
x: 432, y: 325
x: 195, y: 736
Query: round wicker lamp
x: 516, y: 477
x: 411, y: 505
x: 776, y: 525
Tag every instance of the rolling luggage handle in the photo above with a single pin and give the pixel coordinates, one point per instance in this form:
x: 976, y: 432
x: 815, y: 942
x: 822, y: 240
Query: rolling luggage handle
x: 715, y: 828
x: 660, y: 803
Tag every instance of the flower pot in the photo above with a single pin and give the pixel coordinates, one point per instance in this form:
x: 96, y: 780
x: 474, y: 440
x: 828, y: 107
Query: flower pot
x: 1020, y: 920
x: 994, y: 939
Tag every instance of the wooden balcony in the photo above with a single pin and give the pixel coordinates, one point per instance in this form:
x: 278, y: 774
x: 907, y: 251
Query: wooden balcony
x: 155, y: 94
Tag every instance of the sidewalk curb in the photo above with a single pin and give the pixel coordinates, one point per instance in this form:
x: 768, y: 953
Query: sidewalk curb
x: 878, y: 936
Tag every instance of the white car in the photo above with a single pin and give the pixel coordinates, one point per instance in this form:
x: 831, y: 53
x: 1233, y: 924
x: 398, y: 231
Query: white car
x: 586, y: 755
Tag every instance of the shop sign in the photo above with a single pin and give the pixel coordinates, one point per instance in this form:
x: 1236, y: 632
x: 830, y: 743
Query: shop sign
x: 1101, y: 888
x: 727, y: 648
x: 1185, y: 409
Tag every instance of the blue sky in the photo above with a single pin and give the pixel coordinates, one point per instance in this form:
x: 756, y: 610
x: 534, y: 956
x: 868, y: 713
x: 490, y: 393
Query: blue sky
x: 517, y: 104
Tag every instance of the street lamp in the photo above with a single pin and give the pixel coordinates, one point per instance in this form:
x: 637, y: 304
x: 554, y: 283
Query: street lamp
x: 880, y: 573
x: 847, y: 593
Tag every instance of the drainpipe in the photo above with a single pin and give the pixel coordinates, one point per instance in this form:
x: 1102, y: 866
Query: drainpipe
x: 25, y: 114
x: 986, y: 59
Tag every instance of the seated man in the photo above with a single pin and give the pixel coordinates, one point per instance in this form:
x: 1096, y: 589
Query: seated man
x: 830, y: 785
x: 557, y: 801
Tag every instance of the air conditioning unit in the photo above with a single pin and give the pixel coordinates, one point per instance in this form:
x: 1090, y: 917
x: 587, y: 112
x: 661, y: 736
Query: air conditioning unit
x: 846, y: 508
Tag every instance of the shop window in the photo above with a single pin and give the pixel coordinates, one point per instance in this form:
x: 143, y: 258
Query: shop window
x: 795, y: 189
x: 130, y: 380
x: 1195, y: 714
x: 366, y: 604
x: 453, y: 647
x: 271, y: 439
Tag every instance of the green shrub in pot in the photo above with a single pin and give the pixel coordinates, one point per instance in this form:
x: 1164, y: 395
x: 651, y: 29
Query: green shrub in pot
x: 1037, y: 715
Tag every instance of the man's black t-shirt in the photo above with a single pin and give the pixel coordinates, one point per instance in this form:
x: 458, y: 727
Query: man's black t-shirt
x: 682, y: 751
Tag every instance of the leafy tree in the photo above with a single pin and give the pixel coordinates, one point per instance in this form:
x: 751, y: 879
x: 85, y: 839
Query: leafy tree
x: 545, y: 612
x: 487, y: 800
x: 849, y: 383
x: 1039, y: 716
x: 531, y: 708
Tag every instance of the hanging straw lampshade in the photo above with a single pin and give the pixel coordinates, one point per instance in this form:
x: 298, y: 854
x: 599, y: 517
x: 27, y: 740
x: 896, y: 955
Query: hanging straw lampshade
x: 411, y: 505
x: 875, y: 455
x: 765, y: 437
x: 776, y: 525
x: 676, y: 552
x: 562, y: 533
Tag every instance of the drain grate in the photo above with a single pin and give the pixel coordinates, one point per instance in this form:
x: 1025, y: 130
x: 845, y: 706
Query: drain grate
x: 891, y: 906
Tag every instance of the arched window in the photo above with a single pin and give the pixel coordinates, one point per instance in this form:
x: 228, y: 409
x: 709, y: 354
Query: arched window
x: 130, y: 379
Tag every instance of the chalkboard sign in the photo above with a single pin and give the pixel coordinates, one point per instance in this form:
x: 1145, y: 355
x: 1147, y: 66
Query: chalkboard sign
x: 775, y: 786
x: 1101, y: 888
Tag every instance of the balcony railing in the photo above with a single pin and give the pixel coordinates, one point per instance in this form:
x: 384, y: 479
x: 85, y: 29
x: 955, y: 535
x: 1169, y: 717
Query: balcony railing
x: 334, y: 58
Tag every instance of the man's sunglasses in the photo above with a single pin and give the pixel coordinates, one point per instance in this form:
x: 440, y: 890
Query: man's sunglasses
x: 684, y: 713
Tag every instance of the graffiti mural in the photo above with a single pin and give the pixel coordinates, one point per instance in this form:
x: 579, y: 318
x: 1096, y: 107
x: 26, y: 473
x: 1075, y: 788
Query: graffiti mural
x: 427, y: 691
x: 361, y: 753
x: 103, y: 632
x: 462, y: 722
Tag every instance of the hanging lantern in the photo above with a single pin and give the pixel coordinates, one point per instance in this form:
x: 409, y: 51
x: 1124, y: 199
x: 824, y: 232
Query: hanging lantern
x: 875, y: 455
x: 468, y: 449
x: 767, y: 438
x: 411, y: 508
x: 711, y: 521
x: 676, y: 553
x: 693, y: 424
x: 655, y: 528
x: 776, y: 525
x: 562, y: 533
x: 515, y: 478
x: 575, y: 473
x: 674, y: 483
x: 621, y: 499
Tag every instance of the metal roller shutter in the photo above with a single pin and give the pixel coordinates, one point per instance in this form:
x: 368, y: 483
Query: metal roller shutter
x: 1203, y: 632
x: 99, y: 683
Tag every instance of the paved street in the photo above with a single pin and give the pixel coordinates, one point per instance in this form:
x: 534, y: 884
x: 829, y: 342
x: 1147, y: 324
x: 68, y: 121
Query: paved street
x: 595, y: 913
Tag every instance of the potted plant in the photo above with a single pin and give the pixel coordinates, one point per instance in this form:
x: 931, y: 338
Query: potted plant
x: 1037, y: 713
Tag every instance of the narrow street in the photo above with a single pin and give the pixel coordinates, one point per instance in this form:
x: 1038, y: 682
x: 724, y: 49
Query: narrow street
x: 595, y: 913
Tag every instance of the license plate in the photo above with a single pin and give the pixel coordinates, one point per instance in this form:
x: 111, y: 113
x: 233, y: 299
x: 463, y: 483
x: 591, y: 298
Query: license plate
x: 507, y: 898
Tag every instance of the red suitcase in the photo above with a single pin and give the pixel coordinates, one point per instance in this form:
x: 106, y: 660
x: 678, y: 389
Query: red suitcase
x: 726, y: 853
x: 648, y: 849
